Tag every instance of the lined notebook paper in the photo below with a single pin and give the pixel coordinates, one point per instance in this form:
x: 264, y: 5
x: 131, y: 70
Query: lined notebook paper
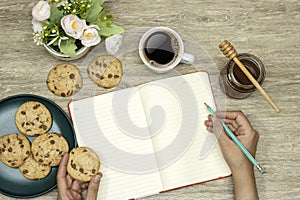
x: 149, y: 137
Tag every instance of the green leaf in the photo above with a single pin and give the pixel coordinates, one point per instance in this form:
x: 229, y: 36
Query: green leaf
x: 68, y: 47
x: 56, y: 14
x: 100, y: 2
x: 110, y: 30
x: 94, y: 11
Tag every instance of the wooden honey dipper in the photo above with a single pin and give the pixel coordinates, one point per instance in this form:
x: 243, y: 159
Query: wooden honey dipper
x: 230, y: 52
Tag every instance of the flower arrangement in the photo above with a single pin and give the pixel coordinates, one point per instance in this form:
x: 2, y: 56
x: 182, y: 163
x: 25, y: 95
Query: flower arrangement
x: 68, y: 25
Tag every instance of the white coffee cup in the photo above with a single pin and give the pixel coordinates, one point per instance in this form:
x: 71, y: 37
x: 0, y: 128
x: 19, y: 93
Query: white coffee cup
x: 161, y: 49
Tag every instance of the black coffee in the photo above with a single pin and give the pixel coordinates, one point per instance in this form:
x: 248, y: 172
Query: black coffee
x: 161, y: 47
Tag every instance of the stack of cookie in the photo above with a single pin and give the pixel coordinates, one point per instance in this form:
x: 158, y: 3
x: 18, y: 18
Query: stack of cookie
x: 33, y: 160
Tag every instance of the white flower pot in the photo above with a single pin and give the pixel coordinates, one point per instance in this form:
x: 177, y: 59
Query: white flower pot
x: 81, y: 52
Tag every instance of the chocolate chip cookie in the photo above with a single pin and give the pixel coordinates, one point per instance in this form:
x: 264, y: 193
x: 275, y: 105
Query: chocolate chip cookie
x: 32, y: 170
x: 14, y: 149
x: 64, y: 80
x: 33, y: 118
x: 83, y: 164
x: 48, y: 149
x: 105, y: 71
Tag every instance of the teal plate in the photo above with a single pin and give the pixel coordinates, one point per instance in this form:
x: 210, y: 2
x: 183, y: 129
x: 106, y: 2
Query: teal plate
x: 12, y: 183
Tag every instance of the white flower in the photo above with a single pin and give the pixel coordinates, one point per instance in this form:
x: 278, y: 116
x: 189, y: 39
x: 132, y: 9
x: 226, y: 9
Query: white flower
x: 73, y: 25
x: 90, y: 36
x: 38, y: 38
x: 65, y: 4
x: 113, y: 44
x: 41, y: 11
x: 37, y: 26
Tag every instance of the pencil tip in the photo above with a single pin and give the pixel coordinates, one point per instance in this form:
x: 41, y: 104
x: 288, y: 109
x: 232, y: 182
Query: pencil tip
x: 206, y: 105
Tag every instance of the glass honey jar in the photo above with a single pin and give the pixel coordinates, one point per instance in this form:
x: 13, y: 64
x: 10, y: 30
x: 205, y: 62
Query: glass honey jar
x: 236, y: 83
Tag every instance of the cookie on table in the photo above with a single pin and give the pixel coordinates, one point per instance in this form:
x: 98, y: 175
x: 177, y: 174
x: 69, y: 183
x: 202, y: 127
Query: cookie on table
x: 14, y: 149
x: 48, y: 149
x: 33, y: 118
x: 64, y: 80
x: 105, y: 71
x: 32, y: 170
x: 83, y: 164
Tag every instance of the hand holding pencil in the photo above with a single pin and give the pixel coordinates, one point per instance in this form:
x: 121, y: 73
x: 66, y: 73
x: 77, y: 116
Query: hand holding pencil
x: 241, y: 167
x: 241, y: 127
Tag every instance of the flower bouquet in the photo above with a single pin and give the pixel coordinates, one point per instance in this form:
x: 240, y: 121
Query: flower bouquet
x: 66, y: 26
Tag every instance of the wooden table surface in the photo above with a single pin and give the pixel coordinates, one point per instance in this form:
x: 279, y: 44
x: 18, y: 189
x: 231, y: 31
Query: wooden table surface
x: 268, y: 29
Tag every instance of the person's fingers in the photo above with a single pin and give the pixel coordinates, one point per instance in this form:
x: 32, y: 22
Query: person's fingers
x: 93, y: 187
x: 232, y: 125
x: 232, y: 128
x: 208, y: 123
x: 62, y: 169
x: 218, y: 130
x: 76, y: 195
x: 217, y: 126
x: 76, y: 186
x: 250, y: 138
x: 237, y: 116
x: 232, y: 122
x: 209, y: 129
x: 238, y: 120
x: 84, y: 186
x: 227, y: 114
x: 69, y: 180
x: 61, y: 173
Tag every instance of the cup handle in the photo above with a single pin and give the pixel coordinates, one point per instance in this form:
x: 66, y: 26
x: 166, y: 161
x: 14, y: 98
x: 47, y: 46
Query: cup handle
x: 188, y: 58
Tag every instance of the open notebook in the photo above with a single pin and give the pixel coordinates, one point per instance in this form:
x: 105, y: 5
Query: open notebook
x: 149, y: 137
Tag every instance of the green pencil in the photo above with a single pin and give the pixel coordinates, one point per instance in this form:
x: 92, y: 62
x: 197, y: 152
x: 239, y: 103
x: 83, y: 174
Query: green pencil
x: 237, y: 142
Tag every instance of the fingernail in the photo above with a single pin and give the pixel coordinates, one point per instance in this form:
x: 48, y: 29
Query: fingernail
x: 97, y: 178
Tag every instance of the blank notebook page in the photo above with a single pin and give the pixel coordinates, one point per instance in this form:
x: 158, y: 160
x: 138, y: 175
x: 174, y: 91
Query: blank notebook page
x: 95, y: 126
x: 185, y: 167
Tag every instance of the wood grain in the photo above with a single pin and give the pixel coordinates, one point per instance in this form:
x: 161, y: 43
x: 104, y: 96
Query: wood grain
x: 268, y: 29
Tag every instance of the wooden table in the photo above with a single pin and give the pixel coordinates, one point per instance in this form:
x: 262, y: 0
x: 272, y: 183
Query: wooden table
x: 268, y: 29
